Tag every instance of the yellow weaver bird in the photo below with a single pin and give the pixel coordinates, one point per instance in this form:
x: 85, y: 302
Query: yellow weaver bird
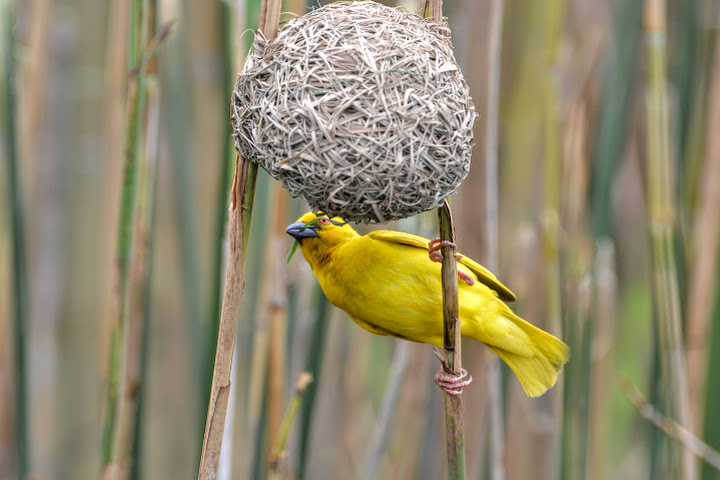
x: 387, y: 284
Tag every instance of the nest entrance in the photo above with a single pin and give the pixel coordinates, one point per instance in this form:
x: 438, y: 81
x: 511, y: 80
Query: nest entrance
x: 360, y: 109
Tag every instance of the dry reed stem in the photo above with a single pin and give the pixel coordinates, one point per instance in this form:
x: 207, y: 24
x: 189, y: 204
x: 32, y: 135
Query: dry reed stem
x: 452, y: 341
x: 662, y: 220
x: 452, y: 359
x: 32, y: 82
x: 241, y: 200
x: 706, y: 233
x: 115, y: 107
x: 234, y: 280
x: 495, y: 394
x: 670, y: 427
x: 277, y: 306
x: 434, y: 8
x: 131, y: 381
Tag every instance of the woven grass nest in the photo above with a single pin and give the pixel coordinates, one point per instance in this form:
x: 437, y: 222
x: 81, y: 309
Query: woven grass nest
x: 360, y: 109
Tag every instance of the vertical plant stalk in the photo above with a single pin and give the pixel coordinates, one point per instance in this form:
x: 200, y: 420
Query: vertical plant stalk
x: 33, y: 78
x: 180, y: 119
x: 383, y: 428
x: 706, y: 233
x: 220, y: 389
x: 231, y: 21
x: 124, y: 245
x: 313, y: 364
x: 141, y: 148
x: 613, y: 123
x: 452, y: 358
x: 19, y: 261
x: 142, y: 271
x: 711, y: 430
x: 433, y: 8
x: 226, y: 19
x: 452, y: 361
x: 278, y: 455
x: 276, y: 283
x: 241, y: 202
x: 497, y: 429
x: 661, y: 224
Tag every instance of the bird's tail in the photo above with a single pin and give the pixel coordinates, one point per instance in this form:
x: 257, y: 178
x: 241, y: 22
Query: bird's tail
x: 534, y: 355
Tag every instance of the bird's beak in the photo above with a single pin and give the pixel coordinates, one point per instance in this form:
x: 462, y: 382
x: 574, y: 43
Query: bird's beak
x: 299, y: 231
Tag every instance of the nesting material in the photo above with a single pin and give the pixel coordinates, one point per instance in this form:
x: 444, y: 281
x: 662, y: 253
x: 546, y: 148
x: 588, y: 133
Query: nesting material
x: 360, y: 109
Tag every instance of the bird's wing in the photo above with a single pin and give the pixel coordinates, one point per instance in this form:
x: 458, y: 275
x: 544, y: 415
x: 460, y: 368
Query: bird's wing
x: 483, y: 275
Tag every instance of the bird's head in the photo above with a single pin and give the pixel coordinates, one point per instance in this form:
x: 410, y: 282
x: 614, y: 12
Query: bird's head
x: 317, y: 234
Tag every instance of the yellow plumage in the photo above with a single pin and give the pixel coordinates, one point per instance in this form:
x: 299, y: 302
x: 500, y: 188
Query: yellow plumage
x: 387, y: 284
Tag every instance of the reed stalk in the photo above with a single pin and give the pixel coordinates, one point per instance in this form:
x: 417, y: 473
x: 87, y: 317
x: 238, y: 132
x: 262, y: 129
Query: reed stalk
x: 226, y: 19
x: 278, y: 453
x: 711, y: 430
x: 661, y: 205
x: 671, y: 428
x: 687, y: 70
x: 142, y: 270
x: 128, y: 200
x: 575, y: 266
x: 384, y: 424
x: 33, y: 78
x: 573, y: 449
x: 618, y: 84
x: 129, y: 365
x: 231, y: 21
x: 19, y: 280
x: 705, y: 240
x: 313, y: 365
x: 277, y: 293
x: 179, y: 118
x: 452, y: 360
x: 451, y: 357
x: 492, y: 261
x: 241, y: 203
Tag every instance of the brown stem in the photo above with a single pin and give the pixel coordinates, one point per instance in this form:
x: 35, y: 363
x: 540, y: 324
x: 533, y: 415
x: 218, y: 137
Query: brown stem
x: 238, y: 226
x: 452, y: 344
x: 234, y: 281
x: 277, y: 307
x: 705, y: 240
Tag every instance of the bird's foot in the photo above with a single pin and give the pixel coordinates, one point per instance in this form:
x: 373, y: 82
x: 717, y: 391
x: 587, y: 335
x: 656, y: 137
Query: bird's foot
x: 452, y: 384
x: 434, y: 247
x: 436, y: 255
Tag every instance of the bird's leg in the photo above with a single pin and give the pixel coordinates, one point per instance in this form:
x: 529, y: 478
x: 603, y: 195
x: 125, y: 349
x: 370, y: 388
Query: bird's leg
x: 436, y: 256
x: 434, y: 249
x: 452, y: 384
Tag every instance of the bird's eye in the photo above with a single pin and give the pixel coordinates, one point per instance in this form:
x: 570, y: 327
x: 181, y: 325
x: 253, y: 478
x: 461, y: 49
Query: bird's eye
x: 324, y: 221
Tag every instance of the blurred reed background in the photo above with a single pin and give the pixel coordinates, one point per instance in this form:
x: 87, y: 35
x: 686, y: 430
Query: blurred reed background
x: 609, y: 189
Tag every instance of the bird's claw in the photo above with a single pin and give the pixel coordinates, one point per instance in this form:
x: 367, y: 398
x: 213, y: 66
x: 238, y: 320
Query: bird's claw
x: 434, y: 247
x: 464, y: 276
x: 452, y: 384
x: 436, y: 255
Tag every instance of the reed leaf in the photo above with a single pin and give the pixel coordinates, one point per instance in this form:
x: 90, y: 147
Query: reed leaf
x: 17, y: 244
x: 619, y: 72
x: 661, y: 204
